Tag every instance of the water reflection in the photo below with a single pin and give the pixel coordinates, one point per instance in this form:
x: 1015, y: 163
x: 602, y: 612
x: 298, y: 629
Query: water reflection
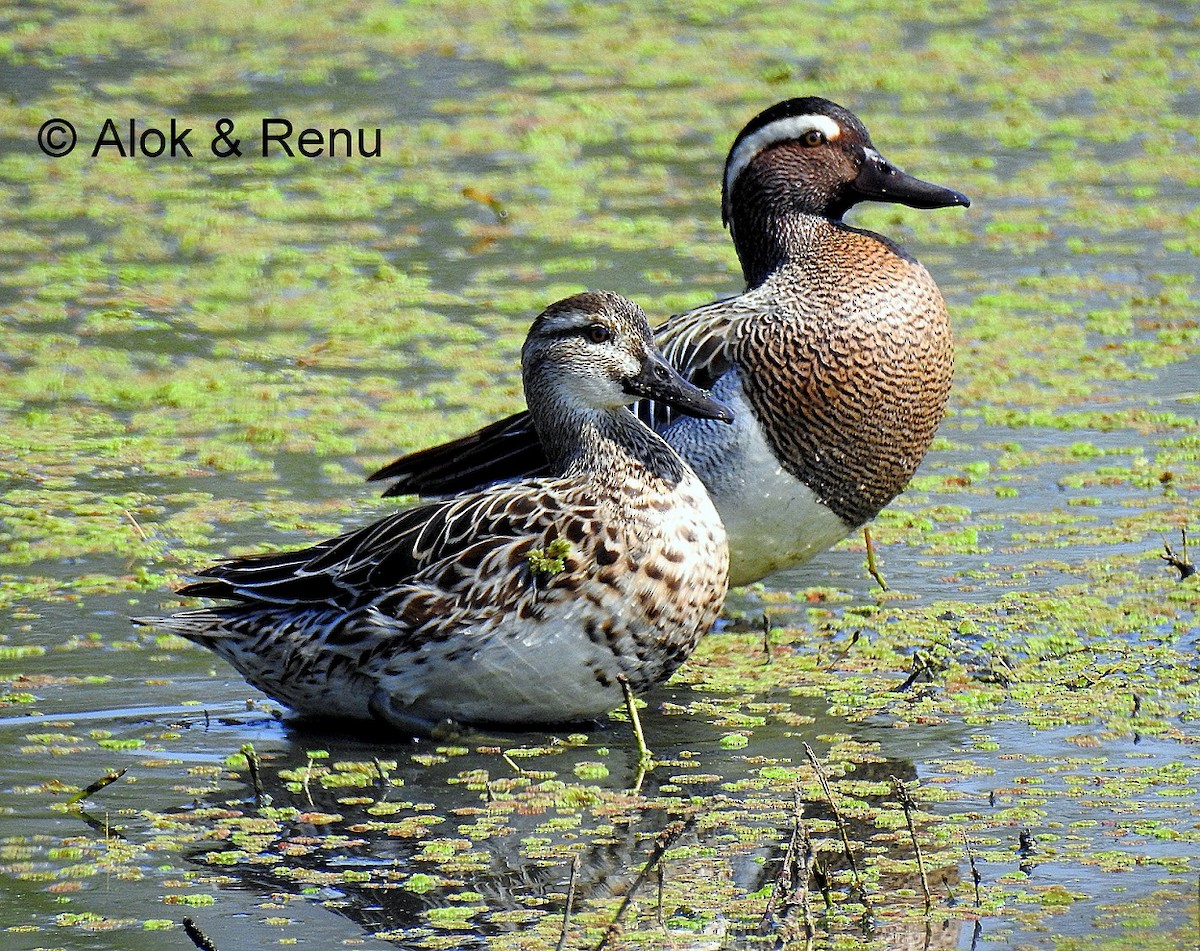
x: 423, y: 830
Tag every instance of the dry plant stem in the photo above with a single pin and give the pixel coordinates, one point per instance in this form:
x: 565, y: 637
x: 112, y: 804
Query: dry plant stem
x: 802, y: 880
x: 766, y: 631
x: 199, y: 938
x: 798, y: 872
x: 841, y: 824
x: 906, y: 802
x: 1180, y: 562
x: 845, y: 650
x: 975, y: 876
x: 566, y: 924
x: 252, y: 766
x: 141, y: 532
x: 516, y: 768
x: 872, y: 564
x: 919, y: 666
x: 665, y: 840
x: 785, y: 880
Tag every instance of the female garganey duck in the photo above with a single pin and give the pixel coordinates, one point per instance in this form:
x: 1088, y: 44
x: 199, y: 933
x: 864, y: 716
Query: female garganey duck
x: 526, y: 602
x: 836, y: 359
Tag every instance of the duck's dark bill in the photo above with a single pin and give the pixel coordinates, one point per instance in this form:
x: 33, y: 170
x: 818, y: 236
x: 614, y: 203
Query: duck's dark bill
x: 880, y: 180
x: 658, y: 380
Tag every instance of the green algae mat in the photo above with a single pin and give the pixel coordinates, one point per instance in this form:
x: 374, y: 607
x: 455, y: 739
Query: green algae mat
x: 207, y: 338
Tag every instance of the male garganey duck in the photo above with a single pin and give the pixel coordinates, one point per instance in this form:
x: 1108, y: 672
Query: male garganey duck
x: 836, y: 360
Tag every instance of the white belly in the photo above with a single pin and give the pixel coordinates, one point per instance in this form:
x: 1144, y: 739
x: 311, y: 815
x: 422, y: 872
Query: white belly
x: 543, y: 673
x: 773, y: 520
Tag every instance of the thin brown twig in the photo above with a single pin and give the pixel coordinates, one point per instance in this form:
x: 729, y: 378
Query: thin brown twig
x: 141, y: 532
x: 802, y: 880
x: 906, y: 803
x: 845, y: 650
x: 799, y: 874
x: 766, y: 632
x: 784, y: 879
x: 566, y: 922
x: 840, y: 823
x: 662, y: 844
x: 919, y: 666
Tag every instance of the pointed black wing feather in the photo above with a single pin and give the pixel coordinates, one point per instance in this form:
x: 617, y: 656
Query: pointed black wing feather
x: 503, y: 450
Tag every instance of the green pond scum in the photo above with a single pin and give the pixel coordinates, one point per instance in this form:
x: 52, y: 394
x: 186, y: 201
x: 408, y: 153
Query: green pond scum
x: 204, y: 355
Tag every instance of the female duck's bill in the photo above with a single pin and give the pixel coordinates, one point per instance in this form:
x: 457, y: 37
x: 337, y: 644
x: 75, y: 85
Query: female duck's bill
x: 521, y: 603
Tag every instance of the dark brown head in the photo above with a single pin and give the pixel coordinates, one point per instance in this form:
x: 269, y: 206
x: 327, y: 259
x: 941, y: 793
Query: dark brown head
x: 811, y: 157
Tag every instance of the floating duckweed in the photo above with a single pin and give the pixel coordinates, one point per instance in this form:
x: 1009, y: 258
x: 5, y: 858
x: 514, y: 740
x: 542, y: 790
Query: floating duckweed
x: 200, y: 354
x: 590, y: 771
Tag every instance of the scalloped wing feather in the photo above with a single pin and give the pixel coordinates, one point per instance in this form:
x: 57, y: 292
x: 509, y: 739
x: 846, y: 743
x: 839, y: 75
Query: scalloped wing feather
x: 416, y: 545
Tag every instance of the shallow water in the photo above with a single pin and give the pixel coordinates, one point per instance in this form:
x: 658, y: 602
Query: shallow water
x: 205, y: 356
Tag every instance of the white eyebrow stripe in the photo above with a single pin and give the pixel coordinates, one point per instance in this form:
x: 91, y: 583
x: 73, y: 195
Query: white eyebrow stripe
x: 781, y: 130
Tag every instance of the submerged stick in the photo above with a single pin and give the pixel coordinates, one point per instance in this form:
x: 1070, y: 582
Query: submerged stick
x: 199, y: 938
x: 794, y: 876
x: 906, y: 802
x: 785, y: 878
x: 919, y: 666
x: 106, y: 780
x: 845, y: 650
x: 1180, y: 562
x: 802, y: 879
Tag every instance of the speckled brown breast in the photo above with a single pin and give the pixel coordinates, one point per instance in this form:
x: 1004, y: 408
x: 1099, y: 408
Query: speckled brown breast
x: 852, y: 370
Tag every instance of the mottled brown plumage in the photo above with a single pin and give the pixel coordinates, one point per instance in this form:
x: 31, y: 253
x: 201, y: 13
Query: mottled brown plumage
x: 520, y: 603
x: 853, y: 393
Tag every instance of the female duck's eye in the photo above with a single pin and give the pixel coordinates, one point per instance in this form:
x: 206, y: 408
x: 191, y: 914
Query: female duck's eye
x: 598, y: 334
x: 813, y: 137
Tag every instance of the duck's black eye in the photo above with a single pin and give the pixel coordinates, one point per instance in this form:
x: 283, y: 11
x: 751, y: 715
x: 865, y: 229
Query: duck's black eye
x: 813, y: 137
x: 598, y: 333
